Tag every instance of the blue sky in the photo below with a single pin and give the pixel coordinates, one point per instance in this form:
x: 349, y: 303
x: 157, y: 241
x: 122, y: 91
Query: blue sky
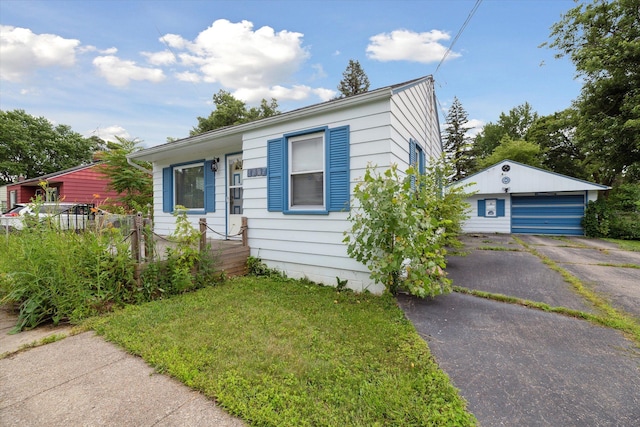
x: 148, y: 69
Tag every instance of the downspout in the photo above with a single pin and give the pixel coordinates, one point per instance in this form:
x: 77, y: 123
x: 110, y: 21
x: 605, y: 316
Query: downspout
x: 137, y: 166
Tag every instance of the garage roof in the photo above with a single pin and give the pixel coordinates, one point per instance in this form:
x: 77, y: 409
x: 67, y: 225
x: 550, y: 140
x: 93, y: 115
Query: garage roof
x: 508, y: 176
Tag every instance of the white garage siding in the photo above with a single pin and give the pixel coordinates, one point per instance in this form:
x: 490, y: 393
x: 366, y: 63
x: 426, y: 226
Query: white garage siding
x: 478, y: 222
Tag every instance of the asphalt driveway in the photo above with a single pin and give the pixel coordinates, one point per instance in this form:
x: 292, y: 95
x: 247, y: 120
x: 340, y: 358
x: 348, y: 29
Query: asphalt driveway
x: 521, y: 366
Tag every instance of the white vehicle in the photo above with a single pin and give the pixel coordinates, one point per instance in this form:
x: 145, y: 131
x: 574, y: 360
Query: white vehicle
x: 74, y: 216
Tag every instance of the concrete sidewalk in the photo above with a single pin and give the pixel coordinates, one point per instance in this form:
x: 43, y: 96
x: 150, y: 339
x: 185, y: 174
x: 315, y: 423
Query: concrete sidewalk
x: 83, y: 380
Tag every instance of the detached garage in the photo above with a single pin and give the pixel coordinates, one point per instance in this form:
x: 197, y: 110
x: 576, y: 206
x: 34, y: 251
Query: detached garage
x: 511, y: 197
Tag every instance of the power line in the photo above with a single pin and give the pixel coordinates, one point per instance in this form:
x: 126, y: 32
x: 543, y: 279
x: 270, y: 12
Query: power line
x: 455, y: 39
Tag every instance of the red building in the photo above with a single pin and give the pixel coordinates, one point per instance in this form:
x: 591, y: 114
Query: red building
x: 81, y: 184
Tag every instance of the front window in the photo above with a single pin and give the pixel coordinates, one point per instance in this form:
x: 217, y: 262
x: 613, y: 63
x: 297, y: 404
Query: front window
x: 306, y: 177
x: 189, y: 186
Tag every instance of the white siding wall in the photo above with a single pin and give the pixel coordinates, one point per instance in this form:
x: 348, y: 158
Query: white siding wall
x: 311, y: 245
x: 413, y: 115
x: 479, y: 224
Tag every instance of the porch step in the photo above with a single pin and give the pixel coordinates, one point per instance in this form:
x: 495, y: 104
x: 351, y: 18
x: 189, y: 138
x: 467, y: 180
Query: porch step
x: 231, y: 256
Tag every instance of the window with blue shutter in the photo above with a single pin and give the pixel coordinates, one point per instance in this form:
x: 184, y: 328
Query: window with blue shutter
x: 297, y: 183
x: 189, y: 184
x: 500, y: 208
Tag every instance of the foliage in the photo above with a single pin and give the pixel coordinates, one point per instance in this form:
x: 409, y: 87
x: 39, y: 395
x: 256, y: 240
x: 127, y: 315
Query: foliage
x: 284, y: 352
x: 617, y: 216
x: 354, y: 80
x: 58, y: 276
x: 231, y: 111
x: 596, y: 218
x: 514, y: 124
x: 257, y: 268
x: 53, y: 275
x: 401, y: 225
x: 32, y: 146
x: 134, y: 185
x: 602, y: 39
x: 457, y: 144
x: 520, y: 151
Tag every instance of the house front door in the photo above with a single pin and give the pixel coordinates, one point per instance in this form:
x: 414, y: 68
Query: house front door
x: 234, y: 195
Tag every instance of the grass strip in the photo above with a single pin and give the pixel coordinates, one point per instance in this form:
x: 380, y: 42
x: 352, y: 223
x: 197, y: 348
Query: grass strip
x: 609, y: 264
x: 284, y: 352
x: 627, y: 245
x: 612, y: 317
x: 497, y: 248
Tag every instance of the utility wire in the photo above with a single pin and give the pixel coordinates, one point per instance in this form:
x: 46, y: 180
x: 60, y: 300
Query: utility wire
x: 455, y: 39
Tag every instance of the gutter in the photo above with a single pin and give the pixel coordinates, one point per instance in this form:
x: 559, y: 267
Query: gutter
x: 140, y: 168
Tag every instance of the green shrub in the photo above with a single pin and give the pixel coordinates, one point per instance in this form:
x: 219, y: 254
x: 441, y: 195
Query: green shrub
x: 401, y: 225
x: 617, y: 216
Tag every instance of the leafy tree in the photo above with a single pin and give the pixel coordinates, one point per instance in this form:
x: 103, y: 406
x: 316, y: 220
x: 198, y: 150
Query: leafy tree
x: 517, y: 150
x: 456, y: 142
x: 231, y: 111
x: 602, y: 39
x: 32, y: 146
x: 555, y: 134
x: 354, y: 80
x: 135, y: 186
x: 401, y: 226
x: 514, y: 124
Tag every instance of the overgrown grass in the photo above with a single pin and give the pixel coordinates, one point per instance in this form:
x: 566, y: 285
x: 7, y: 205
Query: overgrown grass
x: 275, y: 351
x: 53, y: 275
x: 627, y: 245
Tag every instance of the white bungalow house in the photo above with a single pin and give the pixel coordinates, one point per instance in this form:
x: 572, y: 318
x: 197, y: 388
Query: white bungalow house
x: 292, y: 175
x: 510, y: 197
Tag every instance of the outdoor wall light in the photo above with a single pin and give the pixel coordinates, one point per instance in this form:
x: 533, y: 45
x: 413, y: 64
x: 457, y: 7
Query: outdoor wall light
x: 214, y: 164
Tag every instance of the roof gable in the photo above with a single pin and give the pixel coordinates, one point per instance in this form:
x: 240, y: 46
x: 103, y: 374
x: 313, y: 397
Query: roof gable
x: 508, y: 176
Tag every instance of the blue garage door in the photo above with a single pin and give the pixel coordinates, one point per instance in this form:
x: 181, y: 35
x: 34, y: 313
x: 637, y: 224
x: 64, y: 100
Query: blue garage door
x: 547, y: 214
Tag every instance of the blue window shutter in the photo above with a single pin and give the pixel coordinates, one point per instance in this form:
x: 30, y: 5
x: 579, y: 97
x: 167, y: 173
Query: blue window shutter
x: 481, y: 208
x: 338, y: 169
x: 209, y: 187
x: 275, y: 175
x: 167, y: 190
x: 500, y: 207
x: 422, y: 161
x: 412, y: 152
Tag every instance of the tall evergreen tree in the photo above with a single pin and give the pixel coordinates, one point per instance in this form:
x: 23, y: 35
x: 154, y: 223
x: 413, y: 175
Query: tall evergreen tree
x: 457, y: 144
x: 354, y: 80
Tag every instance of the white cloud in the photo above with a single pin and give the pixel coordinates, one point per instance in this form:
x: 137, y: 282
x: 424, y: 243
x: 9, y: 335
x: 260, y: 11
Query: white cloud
x: 109, y: 133
x: 189, y: 77
x: 22, y: 51
x: 475, y: 126
x: 119, y: 72
x: 236, y: 56
x: 166, y: 57
x: 405, y: 45
x: 319, y: 72
x: 281, y: 93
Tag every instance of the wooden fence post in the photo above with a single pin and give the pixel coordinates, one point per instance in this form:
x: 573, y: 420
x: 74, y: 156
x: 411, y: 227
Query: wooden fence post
x: 203, y: 234
x: 147, y: 230
x: 245, y: 237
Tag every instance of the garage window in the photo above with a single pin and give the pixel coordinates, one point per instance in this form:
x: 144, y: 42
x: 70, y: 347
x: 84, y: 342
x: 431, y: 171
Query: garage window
x: 491, y: 208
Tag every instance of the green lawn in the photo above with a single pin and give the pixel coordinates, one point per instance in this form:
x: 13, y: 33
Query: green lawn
x: 284, y: 352
x: 627, y: 245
